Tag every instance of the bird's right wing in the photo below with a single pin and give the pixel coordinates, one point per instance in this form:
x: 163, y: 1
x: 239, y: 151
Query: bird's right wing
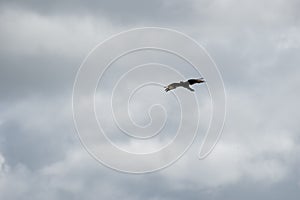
x: 193, y: 81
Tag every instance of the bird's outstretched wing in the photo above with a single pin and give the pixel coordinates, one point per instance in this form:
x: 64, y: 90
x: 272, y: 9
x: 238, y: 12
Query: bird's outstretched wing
x: 172, y: 86
x: 193, y: 81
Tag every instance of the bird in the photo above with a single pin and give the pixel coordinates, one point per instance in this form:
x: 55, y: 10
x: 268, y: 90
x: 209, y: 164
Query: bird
x: 185, y: 84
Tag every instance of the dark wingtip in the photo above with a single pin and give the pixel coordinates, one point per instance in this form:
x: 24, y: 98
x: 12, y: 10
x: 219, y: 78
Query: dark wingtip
x: 202, y: 79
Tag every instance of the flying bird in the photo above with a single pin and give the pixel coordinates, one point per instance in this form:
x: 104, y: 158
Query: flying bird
x: 185, y: 84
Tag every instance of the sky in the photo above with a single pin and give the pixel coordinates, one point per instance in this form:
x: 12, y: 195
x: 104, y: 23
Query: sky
x: 255, y: 45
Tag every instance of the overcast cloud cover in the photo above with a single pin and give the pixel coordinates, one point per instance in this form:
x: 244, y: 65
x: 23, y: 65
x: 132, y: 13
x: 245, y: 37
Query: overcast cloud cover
x: 256, y: 46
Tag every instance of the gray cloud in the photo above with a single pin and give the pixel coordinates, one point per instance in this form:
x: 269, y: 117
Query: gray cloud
x: 29, y: 139
x: 120, y: 12
x: 256, y: 46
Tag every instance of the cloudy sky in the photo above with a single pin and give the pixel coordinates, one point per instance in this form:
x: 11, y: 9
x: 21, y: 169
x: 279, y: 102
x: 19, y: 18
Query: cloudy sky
x: 256, y: 47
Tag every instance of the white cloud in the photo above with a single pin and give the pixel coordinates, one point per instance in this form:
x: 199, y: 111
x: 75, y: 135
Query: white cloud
x: 29, y: 33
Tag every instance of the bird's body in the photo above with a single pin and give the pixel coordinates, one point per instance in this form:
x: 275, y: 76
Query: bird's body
x: 185, y: 84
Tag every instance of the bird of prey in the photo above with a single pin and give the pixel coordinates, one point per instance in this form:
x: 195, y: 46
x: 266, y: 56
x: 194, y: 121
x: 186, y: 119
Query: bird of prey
x: 185, y: 84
